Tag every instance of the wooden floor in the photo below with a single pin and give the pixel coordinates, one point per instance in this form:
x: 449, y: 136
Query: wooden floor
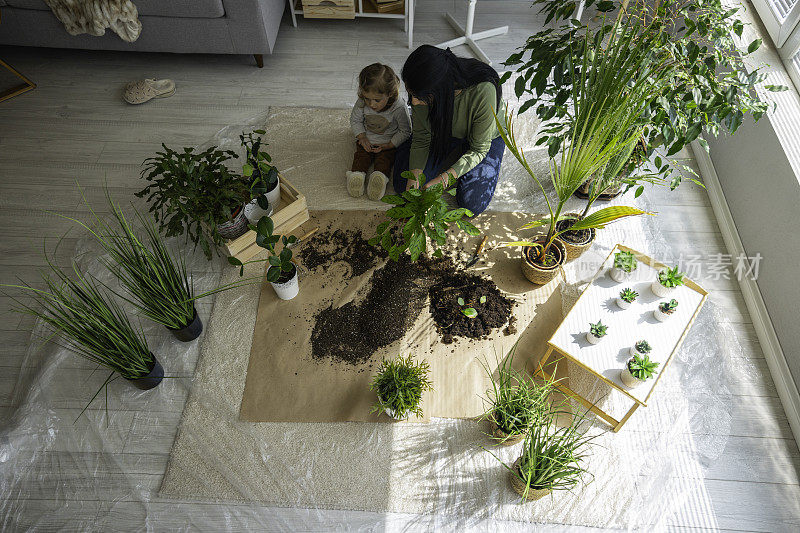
x: 74, y: 126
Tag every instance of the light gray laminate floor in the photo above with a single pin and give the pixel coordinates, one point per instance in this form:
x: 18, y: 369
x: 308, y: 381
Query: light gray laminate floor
x: 74, y: 126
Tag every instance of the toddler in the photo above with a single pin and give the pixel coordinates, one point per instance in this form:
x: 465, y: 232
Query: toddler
x: 380, y: 123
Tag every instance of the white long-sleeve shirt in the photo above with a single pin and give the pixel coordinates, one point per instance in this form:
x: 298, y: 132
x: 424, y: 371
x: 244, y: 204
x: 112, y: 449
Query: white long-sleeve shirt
x: 390, y: 125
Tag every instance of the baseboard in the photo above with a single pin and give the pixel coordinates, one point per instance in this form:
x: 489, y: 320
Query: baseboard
x: 773, y: 353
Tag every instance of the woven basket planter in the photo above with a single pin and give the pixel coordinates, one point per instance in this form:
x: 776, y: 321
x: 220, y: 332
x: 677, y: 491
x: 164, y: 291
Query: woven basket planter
x: 519, y: 486
x: 574, y: 251
x: 541, y: 275
x: 501, y: 437
x: 234, y: 228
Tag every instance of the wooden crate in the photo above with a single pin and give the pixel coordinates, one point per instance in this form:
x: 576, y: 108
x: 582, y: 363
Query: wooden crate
x: 329, y: 9
x: 293, y: 213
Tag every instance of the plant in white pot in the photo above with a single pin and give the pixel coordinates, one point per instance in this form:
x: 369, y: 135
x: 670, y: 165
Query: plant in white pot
x: 638, y: 369
x: 625, y: 265
x: 282, y: 272
x: 626, y: 298
x: 596, y: 332
x: 640, y: 348
x: 264, y: 180
x: 667, y: 281
x: 399, y: 385
x: 665, y: 310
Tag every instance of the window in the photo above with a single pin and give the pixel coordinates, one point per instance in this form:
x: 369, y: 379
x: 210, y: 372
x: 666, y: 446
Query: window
x: 779, y: 17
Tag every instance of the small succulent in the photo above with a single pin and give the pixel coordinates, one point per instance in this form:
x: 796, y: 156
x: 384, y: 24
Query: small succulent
x: 643, y: 347
x: 470, y: 312
x: 670, y: 277
x: 599, y: 329
x: 628, y: 295
x: 642, y: 368
x: 625, y: 261
x: 668, y: 307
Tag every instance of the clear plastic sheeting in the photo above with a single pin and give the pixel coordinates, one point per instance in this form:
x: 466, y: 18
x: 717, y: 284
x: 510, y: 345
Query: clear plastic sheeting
x: 104, y: 471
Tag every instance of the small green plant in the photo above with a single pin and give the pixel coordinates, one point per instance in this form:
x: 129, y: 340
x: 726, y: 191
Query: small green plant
x: 193, y: 193
x: 641, y: 367
x: 643, y: 347
x: 628, y: 295
x: 670, y: 277
x: 470, y: 312
x: 599, y: 329
x: 668, y: 307
x: 263, y: 175
x: 420, y: 214
x: 399, y: 385
x: 625, y: 261
x: 280, y: 263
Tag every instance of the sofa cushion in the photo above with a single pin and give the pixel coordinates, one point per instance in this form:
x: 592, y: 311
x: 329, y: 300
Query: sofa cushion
x: 153, y: 8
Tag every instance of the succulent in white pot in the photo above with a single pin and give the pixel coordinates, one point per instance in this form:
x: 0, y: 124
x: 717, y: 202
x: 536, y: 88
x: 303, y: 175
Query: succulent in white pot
x: 667, y: 281
x: 638, y: 369
x: 596, y: 332
x: 625, y: 265
x: 640, y: 348
x: 665, y: 310
x: 626, y: 298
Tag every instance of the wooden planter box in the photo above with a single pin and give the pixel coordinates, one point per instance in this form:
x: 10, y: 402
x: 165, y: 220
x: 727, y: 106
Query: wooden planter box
x: 293, y: 212
x: 329, y: 9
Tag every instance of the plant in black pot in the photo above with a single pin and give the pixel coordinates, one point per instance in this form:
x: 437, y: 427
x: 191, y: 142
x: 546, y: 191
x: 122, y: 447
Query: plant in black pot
x: 282, y: 272
x: 264, y: 180
x: 197, y: 195
x: 399, y: 385
x: 92, y: 326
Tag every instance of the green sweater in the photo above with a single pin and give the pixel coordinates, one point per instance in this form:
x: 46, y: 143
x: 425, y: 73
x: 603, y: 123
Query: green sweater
x: 472, y: 120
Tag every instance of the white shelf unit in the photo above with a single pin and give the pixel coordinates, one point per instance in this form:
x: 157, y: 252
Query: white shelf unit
x: 363, y: 8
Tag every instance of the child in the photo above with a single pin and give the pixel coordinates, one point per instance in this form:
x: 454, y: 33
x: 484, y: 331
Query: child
x: 380, y: 123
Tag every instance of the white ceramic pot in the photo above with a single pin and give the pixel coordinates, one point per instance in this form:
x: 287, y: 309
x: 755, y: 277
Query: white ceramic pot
x: 660, y: 315
x: 274, y: 196
x: 633, y: 352
x: 660, y: 290
x: 288, y: 289
x: 253, y: 211
x: 592, y: 339
x: 622, y: 304
x: 619, y: 275
x: 627, y: 378
x: 392, y: 413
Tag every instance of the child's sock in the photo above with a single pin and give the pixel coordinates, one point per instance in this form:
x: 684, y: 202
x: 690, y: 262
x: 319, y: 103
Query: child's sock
x: 376, y: 187
x: 355, y: 183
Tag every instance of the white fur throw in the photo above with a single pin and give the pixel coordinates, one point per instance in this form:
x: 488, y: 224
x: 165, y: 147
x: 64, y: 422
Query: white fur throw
x: 94, y: 16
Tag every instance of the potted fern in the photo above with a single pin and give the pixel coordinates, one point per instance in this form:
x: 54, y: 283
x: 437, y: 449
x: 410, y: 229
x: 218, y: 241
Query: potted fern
x: 399, y: 385
x: 667, y: 281
x: 596, y: 332
x: 626, y: 298
x: 625, y: 265
x: 195, y: 194
x: 264, y: 179
x: 638, y: 369
x: 664, y: 310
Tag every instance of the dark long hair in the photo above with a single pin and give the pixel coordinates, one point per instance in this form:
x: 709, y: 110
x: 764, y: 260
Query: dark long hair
x: 433, y: 75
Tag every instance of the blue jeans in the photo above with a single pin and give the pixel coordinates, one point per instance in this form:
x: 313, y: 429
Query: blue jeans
x: 474, y: 189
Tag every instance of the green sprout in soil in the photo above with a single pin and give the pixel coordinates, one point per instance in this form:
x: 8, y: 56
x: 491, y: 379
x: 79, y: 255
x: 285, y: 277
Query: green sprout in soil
x: 628, y: 295
x: 469, y: 312
x: 642, y: 368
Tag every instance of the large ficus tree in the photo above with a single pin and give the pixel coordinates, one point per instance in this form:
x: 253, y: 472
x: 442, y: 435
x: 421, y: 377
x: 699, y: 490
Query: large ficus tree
x: 702, y: 83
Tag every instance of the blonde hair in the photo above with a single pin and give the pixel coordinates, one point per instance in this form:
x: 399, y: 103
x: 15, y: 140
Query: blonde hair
x: 381, y: 79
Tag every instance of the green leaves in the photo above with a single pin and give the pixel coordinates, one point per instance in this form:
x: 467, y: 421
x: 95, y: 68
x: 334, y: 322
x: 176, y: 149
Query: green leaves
x: 753, y: 46
x: 469, y: 312
x: 399, y: 385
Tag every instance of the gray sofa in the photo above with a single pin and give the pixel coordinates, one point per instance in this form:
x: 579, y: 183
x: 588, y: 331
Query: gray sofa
x: 180, y: 26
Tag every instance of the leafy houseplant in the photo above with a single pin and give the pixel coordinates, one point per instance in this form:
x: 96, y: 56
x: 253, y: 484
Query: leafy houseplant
x: 667, y: 280
x: 264, y: 180
x: 665, y: 310
x: 697, y: 79
x: 625, y: 264
x: 638, y: 370
x: 641, y: 347
x: 469, y: 312
x: 196, y: 194
x: 418, y: 215
x: 626, y: 297
x: 282, y: 271
x: 399, y: 385
x: 596, y: 332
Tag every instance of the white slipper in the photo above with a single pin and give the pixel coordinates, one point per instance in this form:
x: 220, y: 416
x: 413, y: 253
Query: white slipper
x: 355, y: 183
x: 376, y: 187
x: 139, y: 92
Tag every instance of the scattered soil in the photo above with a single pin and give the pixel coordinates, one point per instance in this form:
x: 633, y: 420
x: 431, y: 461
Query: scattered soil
x: 328, y: 247
x: 581, y: 236
x: 447, y: 313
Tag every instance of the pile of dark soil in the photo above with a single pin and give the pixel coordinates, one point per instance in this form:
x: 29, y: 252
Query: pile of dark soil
x: 328, y: 247
x: 581, y: 236
x: 448, y: 314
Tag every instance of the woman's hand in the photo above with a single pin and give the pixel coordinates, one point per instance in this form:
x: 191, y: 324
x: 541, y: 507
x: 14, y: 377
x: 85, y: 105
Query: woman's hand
x: 414, y: 184
x: 443, y: 179
x: 434, y: 181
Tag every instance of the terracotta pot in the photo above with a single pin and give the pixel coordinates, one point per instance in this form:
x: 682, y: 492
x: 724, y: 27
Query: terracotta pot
x: 519, y: 486
x: 501, y: 437
x: 538, y: 274
x: 574, y: 250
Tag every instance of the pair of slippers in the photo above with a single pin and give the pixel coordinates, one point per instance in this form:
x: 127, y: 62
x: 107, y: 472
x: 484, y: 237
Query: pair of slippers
x: 139, y: 92
x: 376, y: 187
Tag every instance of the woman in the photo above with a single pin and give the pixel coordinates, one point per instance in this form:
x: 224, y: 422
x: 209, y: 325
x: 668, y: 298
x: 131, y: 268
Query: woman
x: 453, y: 131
